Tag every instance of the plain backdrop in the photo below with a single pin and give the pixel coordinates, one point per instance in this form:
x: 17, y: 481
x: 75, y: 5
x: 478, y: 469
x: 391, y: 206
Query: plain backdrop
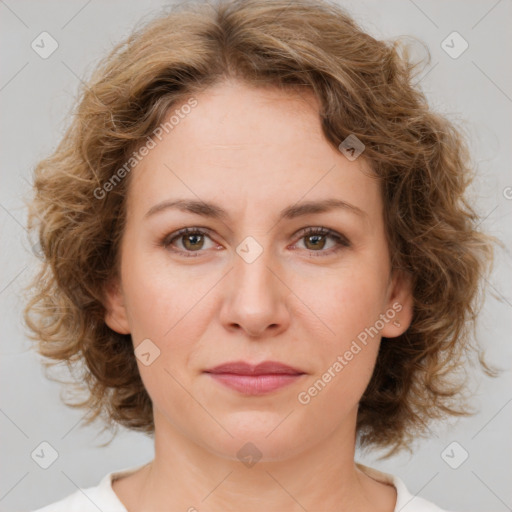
x: 36, y: 96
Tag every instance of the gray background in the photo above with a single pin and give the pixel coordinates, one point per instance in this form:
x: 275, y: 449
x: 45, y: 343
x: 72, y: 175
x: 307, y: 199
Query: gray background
x: 36, y: 96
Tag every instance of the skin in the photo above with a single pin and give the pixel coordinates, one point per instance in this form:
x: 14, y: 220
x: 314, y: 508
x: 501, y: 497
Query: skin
x: 254, y: 151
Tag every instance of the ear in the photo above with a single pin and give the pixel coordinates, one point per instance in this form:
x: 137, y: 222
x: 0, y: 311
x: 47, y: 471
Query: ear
x: 115, y: 316
x: 399, y: 309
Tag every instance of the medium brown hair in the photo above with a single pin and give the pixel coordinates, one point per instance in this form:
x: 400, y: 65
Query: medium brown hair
x: 365, y: 88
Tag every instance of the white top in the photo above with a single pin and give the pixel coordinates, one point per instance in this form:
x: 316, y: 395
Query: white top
x: 102, y: 497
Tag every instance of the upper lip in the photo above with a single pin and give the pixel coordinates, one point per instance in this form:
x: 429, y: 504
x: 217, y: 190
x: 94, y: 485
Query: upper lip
x: 264, y: 368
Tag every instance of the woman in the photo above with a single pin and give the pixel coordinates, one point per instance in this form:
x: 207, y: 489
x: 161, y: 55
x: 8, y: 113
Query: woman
x: 255, y: 237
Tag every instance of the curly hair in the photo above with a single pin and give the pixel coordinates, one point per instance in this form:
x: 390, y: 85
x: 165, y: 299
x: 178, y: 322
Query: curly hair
x: 365, y: 88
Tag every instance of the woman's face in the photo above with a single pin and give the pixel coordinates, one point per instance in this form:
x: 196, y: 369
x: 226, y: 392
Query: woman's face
x: 255, y: 286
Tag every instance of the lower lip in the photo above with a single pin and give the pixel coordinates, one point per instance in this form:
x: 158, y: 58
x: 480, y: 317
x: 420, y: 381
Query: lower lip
x: 255, y: 384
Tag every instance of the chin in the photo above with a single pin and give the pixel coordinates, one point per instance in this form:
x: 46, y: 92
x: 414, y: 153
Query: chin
x: 259, y: 435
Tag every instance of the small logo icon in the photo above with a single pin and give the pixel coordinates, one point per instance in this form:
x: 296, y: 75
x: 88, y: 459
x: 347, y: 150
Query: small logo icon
x: 146, y: 352
x: 351, y: 147
x: 249, y: 455
x: 44, y: 45
x: 44, y: 455
x: 249, y: 249
x: 454, y: 455
x: 454, y: 45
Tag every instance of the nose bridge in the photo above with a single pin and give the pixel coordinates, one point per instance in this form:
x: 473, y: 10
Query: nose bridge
x: 256, y: 301
x: 251, y: 273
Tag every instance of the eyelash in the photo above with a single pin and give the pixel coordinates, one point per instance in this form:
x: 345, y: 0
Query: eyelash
x: 341, y: 241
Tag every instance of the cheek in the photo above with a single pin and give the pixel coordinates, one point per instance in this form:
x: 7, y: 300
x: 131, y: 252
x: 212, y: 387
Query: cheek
x: 166, y: 306
x: 347, y: 350
x: 151, y: 307
x: 349, y: 306
x: 347, y: 300
x: 157, y: 295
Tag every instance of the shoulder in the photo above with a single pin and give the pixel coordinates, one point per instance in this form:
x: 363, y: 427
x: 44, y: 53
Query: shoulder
x: 91, y: 499
x: 405, y: 502
x: 72, y: 503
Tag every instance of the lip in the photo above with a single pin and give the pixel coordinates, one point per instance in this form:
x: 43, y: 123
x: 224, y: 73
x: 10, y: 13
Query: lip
x: 255, y: 379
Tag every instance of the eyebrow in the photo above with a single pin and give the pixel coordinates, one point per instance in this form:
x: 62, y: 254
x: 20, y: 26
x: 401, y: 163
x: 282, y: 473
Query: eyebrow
x: 208, y: 209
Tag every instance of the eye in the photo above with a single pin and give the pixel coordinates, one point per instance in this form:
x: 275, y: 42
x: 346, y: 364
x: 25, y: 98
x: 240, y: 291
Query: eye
x: 315, y: 240
x: 192, y: 240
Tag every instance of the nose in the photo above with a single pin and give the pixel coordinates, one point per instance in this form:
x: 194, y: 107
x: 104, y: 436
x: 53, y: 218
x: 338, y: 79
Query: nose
x: 255, y: 300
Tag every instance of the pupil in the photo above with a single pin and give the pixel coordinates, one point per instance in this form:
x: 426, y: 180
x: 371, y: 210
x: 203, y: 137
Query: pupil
x: 317, y: 238
x: 192, y: 237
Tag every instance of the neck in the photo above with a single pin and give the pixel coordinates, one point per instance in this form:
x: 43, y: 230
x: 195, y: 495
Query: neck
x: 189, y: 477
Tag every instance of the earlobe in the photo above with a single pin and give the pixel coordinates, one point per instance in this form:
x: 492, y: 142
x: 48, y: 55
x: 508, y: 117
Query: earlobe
x: 115, y: 309
x: 400, y: 305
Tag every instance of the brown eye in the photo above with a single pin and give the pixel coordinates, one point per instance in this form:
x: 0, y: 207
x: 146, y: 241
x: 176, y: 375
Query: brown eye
x: 193, y: 241
x: 188, y: 240
x: 315, y: 240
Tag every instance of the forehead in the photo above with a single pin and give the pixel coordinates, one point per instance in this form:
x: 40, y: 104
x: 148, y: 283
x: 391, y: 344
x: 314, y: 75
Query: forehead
x: 235, y: 115
x: 253, y: 143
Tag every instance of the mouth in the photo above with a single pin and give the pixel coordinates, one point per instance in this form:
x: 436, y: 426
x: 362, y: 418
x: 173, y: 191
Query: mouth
x: 255, y: 379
